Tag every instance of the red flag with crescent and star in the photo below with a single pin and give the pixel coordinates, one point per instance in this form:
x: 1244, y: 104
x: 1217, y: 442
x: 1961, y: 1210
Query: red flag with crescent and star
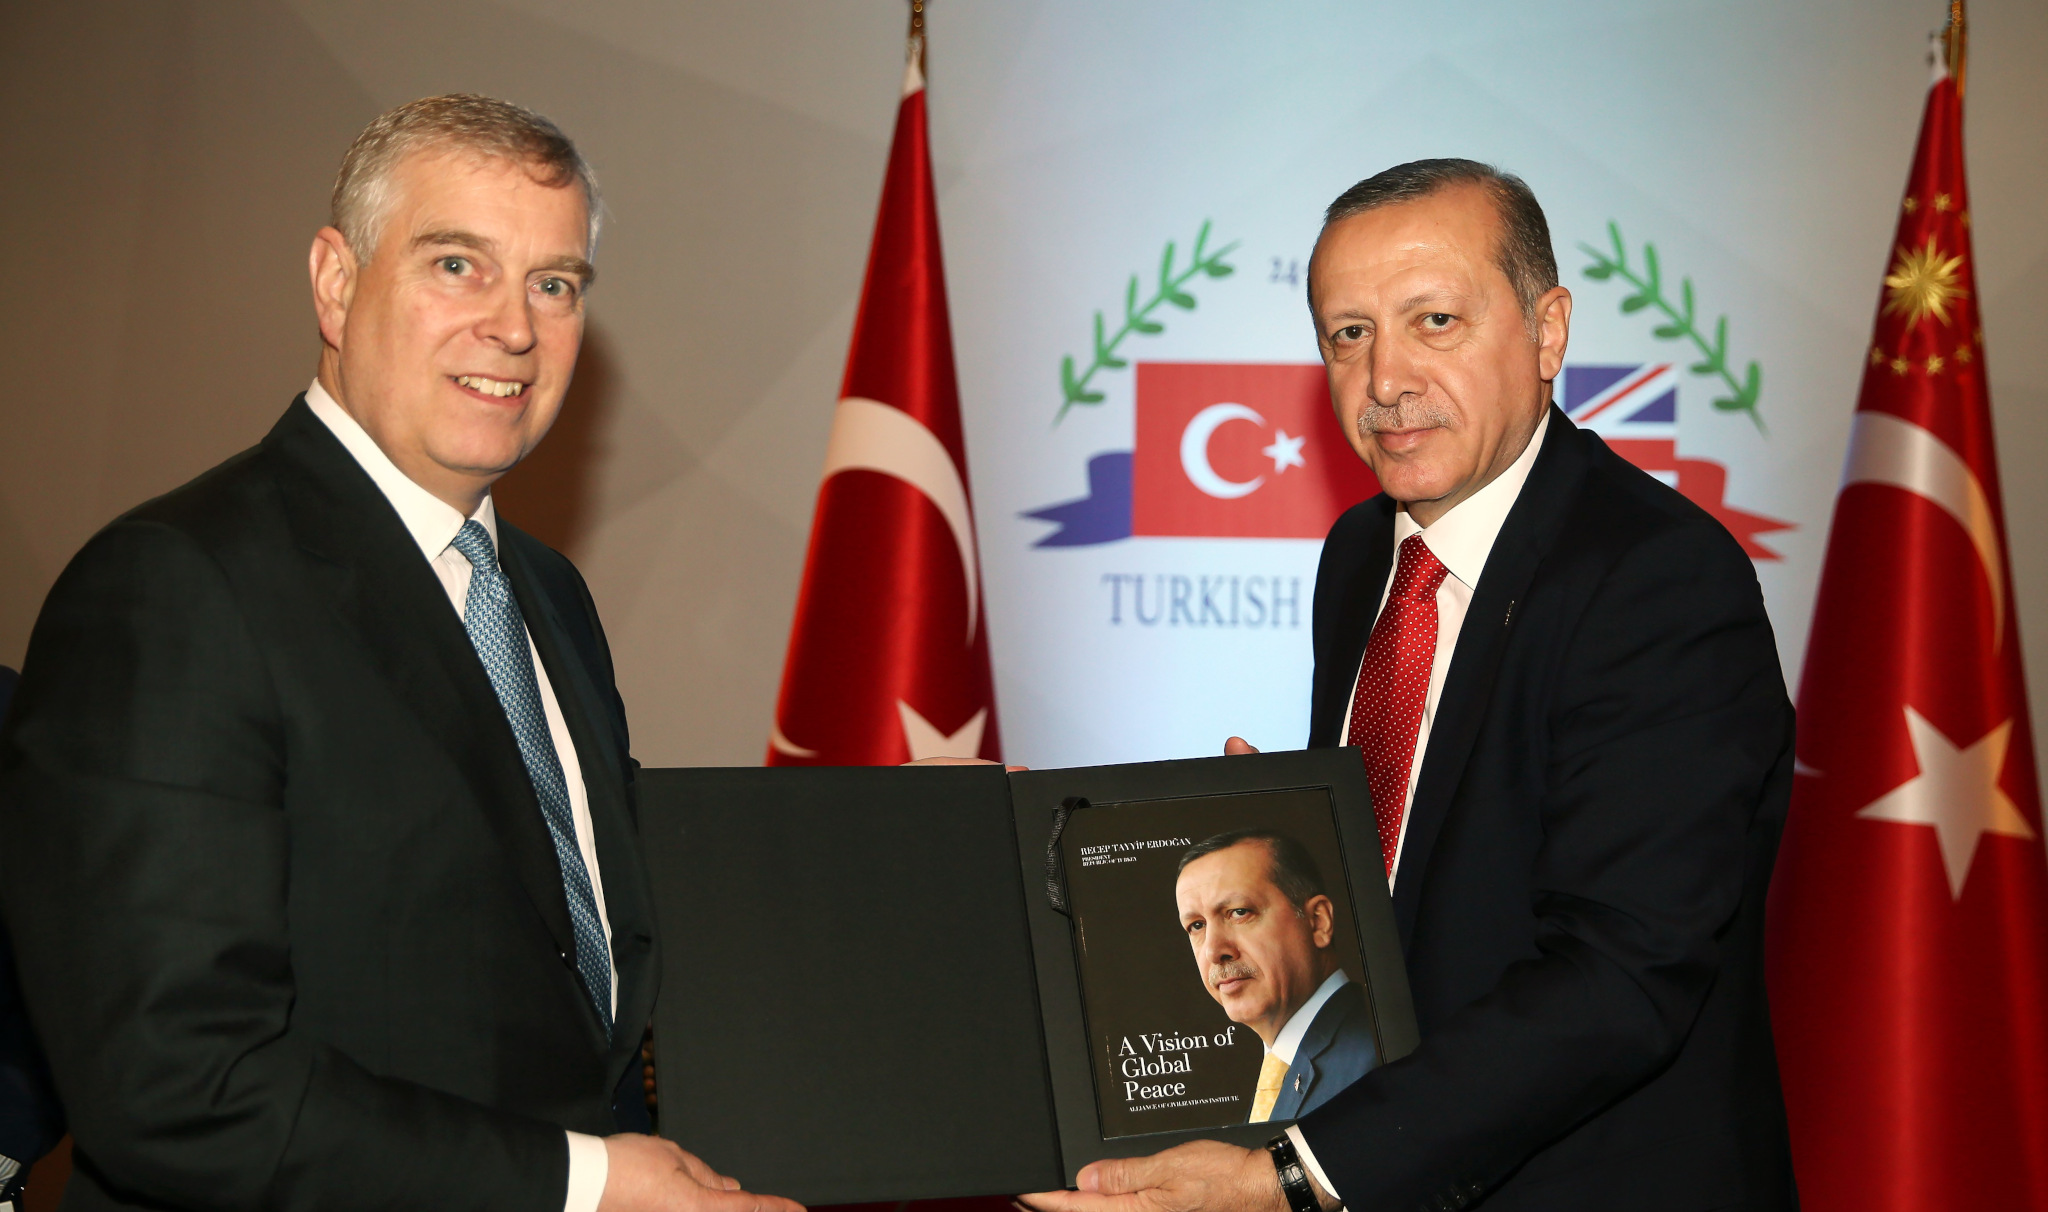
x: 1908, y: 924
x: 888, y: 656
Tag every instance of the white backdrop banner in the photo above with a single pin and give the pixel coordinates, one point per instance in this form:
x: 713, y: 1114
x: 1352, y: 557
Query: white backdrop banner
x: 1154, y: 456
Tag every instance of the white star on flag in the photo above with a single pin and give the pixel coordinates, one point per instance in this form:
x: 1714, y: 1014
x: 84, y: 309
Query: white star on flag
x: 1285, y: 452
x: 1956, y: 792
x: 926, y: 741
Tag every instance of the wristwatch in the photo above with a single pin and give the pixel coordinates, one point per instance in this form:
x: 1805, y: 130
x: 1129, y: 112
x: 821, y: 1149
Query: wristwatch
x: 1294, y: 1184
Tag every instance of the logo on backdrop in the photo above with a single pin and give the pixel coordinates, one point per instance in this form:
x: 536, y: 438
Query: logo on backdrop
x: 1224, y: 450
x: 1253, y: 451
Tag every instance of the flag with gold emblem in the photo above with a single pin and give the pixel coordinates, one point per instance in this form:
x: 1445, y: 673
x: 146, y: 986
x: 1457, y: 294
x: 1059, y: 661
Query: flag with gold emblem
x: 1909, y: 914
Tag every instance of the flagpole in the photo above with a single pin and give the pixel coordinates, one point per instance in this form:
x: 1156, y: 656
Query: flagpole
x: 917, y: 32
x: 1955, y: 40
x: 888, y: 653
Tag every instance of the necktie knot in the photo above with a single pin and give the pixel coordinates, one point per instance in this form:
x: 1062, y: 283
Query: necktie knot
x: 1420, y: 573
x: 474, y: 542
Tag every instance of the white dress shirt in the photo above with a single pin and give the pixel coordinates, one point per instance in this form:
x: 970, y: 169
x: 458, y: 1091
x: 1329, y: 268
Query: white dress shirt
x: 1461, y: 539
x: 433, y: 524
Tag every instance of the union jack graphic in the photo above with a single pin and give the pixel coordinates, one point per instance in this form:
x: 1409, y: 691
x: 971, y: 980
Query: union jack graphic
x: 1635, y: 409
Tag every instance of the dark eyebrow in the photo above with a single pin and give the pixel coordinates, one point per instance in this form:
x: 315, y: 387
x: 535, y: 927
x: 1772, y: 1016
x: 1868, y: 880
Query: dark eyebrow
x: 463, y: 239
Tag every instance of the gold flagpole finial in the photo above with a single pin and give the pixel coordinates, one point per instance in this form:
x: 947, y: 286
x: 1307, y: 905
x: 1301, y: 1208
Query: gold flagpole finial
x: 1955, y: 41
x: 917, y: 33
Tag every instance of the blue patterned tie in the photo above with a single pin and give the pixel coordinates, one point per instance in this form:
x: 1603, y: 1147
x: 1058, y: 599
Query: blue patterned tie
x: 491, y: 614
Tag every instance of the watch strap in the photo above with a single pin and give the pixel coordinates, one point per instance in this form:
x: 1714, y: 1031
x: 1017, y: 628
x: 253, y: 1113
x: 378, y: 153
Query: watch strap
x: 1294, y: 1183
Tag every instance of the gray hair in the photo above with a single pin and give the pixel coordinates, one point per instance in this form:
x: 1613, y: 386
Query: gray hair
x: 484, y: 126
x: 1524, y: 254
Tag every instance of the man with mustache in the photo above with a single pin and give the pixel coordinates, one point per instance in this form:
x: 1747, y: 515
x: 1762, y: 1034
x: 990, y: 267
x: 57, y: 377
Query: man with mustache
x: 1255, y: 910
x: 1566, y: 693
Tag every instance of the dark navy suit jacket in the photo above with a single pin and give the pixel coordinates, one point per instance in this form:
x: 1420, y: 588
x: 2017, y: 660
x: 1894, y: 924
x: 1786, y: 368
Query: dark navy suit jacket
x: 31, y: 1122
x: 1336, y: 1051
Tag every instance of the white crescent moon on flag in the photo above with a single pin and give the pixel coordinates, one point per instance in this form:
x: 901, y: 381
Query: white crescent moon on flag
x: 1194, y: 451
x: 868, y: 435
x: 782, y: 744
x: 1884, y: 449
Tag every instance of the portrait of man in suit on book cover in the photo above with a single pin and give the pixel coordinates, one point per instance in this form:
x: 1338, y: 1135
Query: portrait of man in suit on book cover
x: 1263, y: 930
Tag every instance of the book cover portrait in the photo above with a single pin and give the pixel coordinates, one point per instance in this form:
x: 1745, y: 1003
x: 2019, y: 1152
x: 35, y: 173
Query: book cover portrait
x: 1219, y: 960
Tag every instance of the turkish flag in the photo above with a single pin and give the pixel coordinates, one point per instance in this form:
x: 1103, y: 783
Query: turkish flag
x: 1908, y: 925
x: 888, y: 656
x: 1240, y: 450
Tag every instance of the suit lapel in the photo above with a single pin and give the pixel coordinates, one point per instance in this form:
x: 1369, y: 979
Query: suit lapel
x: 1294, y: 1088
x: 1524, y: 539
x: 1301, y: 1073
x: 628, y: 904
x: 400, y: 612
x: 1356, y: 610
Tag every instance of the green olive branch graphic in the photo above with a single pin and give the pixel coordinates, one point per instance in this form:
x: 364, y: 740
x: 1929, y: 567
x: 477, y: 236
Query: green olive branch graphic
x: 1138, y: 319
x: 1650, y: 293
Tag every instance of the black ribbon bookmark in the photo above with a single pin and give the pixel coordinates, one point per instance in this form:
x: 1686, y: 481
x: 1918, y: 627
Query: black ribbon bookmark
x: 1055, y: 862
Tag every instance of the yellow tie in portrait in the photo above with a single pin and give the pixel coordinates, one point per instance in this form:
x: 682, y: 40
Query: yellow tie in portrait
x: 1272, y: 1075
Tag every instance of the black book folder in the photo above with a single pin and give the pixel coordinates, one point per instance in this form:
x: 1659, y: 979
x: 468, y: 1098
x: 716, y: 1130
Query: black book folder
x: 917, y: 983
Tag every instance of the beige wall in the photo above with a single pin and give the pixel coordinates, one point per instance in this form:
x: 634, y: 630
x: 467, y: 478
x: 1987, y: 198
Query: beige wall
x: 166, y: 164
x: 170, y: 162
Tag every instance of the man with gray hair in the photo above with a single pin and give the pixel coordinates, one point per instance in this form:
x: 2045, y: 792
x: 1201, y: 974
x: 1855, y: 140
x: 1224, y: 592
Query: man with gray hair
x: 1264, y: 930
x: 321, y: 864
x: 1566, y: 693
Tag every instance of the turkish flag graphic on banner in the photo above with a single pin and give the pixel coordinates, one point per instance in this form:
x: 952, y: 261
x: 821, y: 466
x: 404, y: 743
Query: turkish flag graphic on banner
x: 888, y: 656
x: 1908, y: 928
x: 1241, y: 450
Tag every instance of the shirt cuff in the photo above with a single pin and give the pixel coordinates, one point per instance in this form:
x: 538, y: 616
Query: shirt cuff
x: 589, y: 1166
x: 1301, y: 1150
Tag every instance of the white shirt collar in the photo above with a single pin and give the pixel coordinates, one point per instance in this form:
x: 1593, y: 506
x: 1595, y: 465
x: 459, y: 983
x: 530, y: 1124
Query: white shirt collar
x: 1463, y: 537
x: 1290, y: 1035
x: 432, y: 521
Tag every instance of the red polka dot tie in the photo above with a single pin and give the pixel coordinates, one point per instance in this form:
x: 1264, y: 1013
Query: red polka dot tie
x: 1393, y: 685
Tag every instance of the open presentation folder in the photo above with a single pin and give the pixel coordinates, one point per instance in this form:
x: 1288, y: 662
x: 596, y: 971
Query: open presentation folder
x: 911, y: 983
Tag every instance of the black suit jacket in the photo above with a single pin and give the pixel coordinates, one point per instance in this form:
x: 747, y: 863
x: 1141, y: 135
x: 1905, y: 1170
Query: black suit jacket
x: 288, y: 917
x: 31, y: 1121
x: 1581, y: 889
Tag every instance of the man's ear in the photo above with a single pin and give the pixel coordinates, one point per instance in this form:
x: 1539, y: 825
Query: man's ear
x: 1322, y: 916
x: 1554, y: 320
x: 332, y: 264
